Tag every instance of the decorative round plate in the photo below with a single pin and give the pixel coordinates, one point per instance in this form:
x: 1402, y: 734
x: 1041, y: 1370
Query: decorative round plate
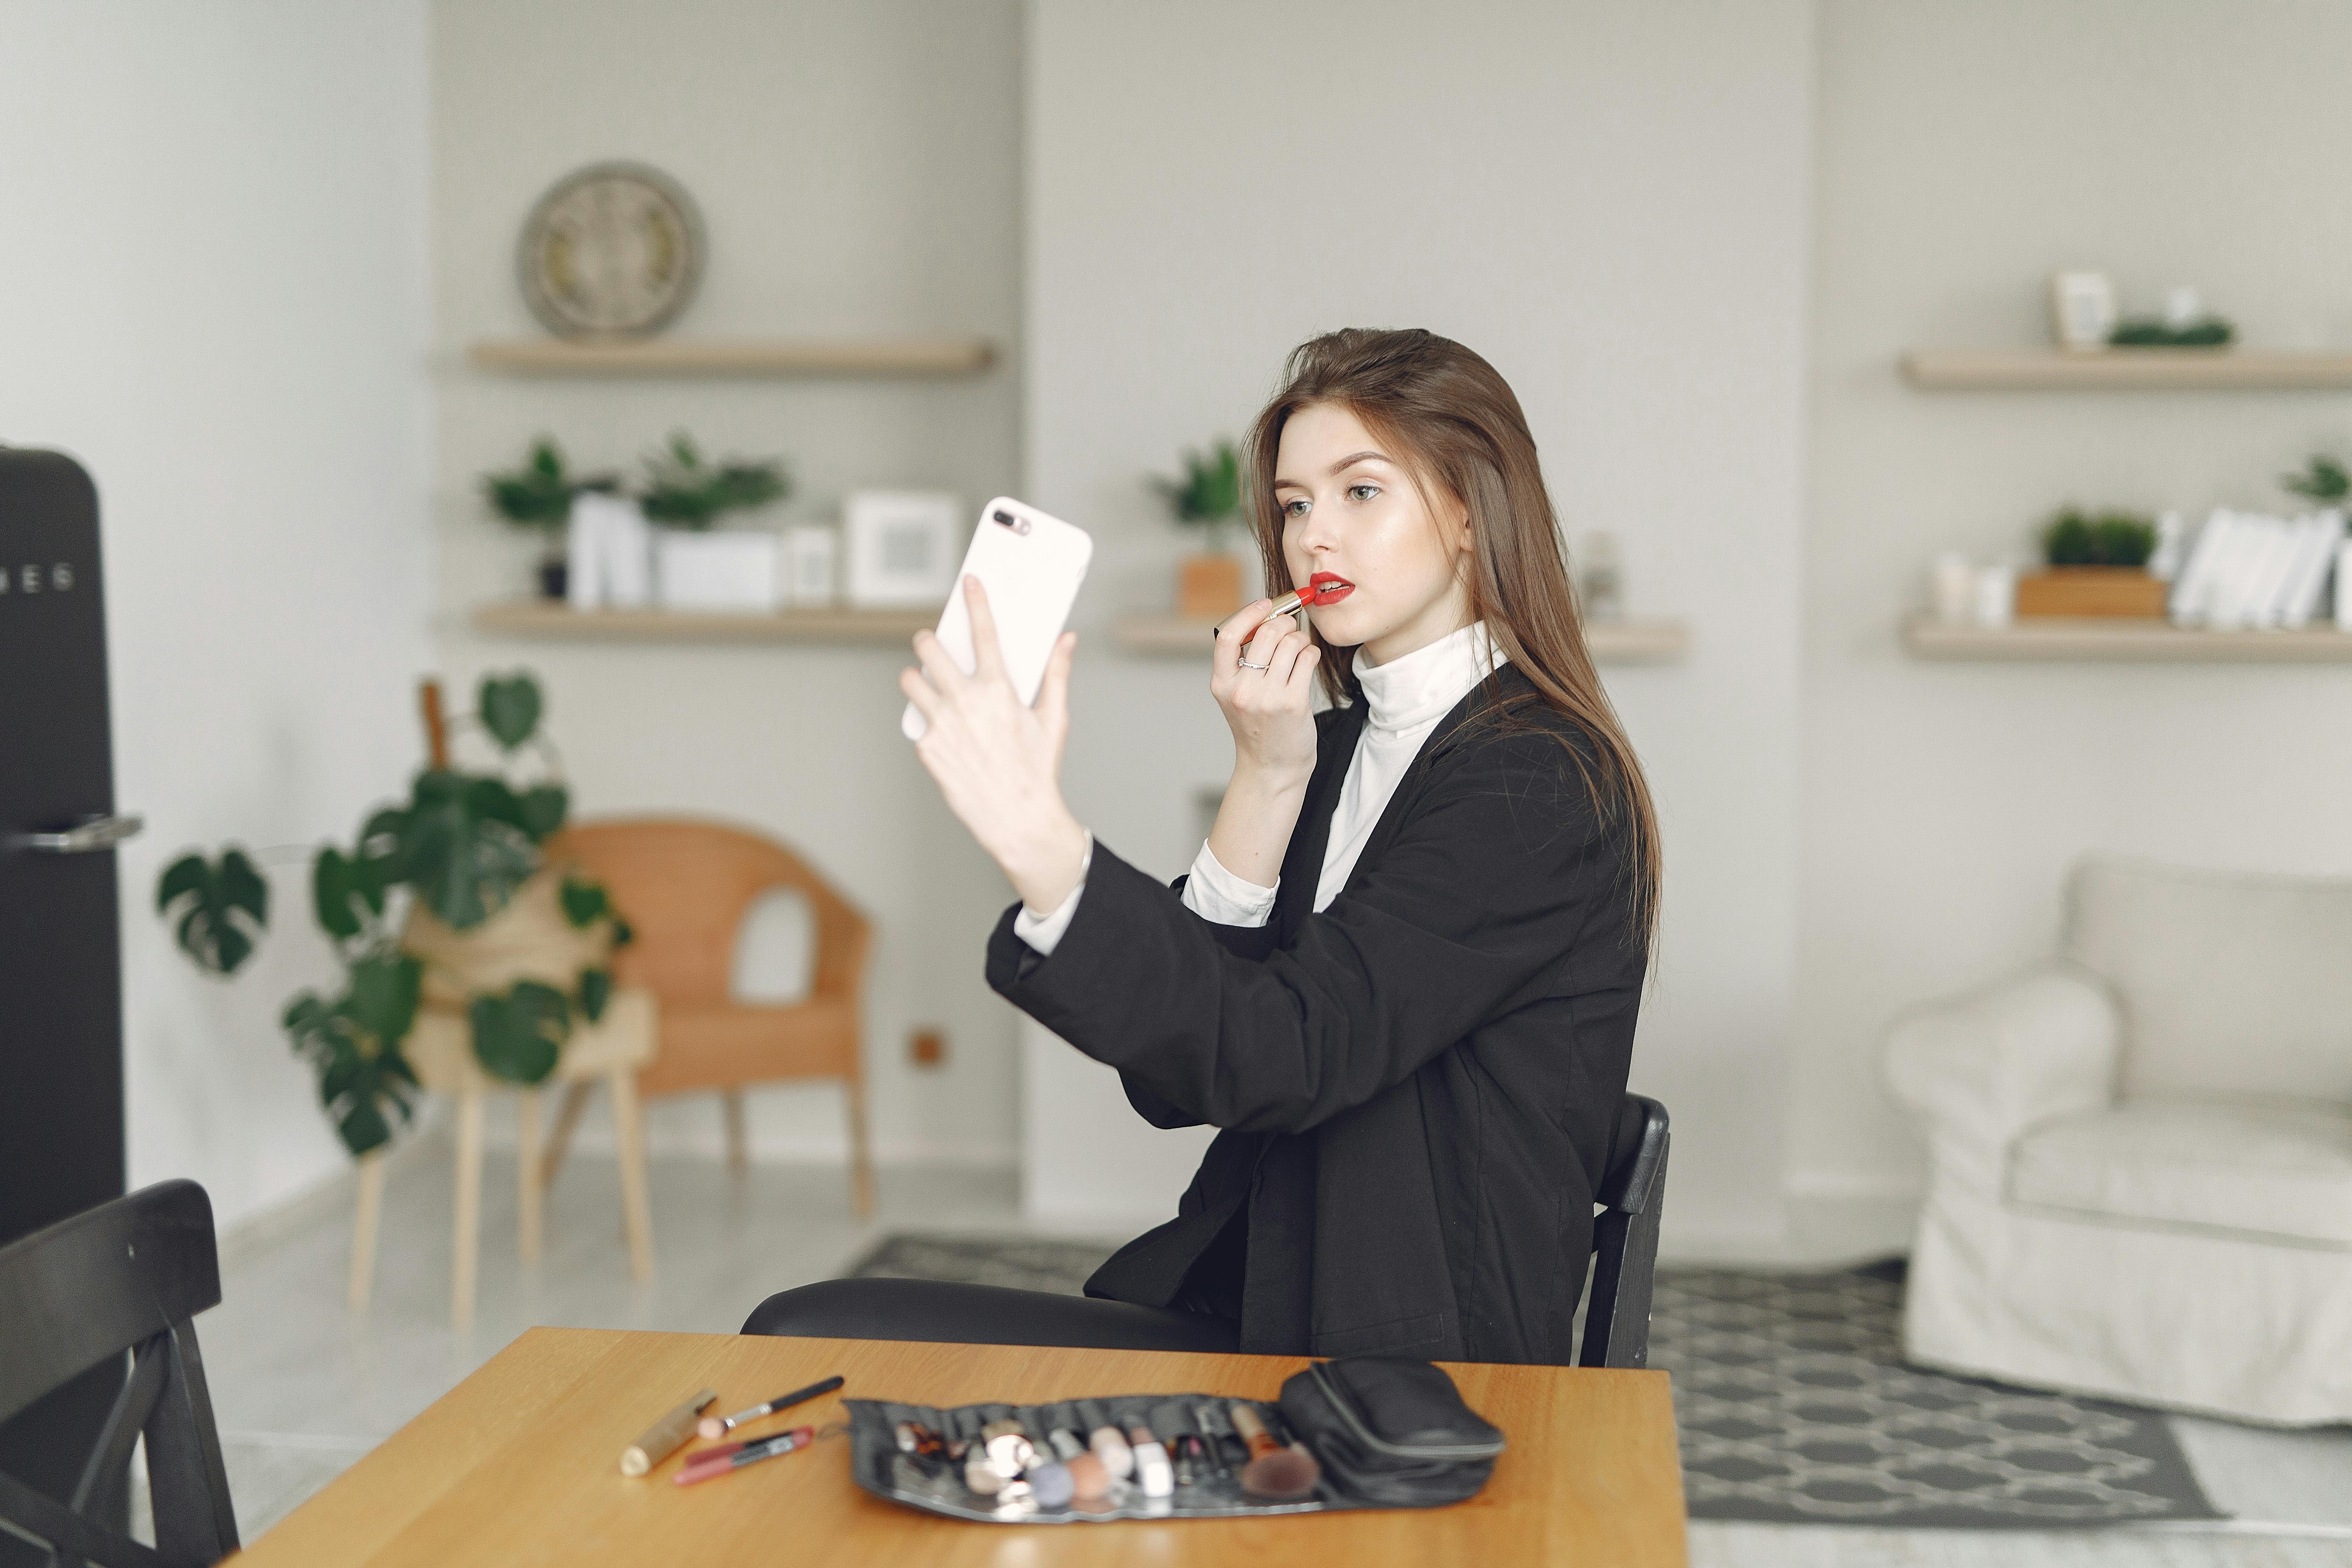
x: 614, y: 251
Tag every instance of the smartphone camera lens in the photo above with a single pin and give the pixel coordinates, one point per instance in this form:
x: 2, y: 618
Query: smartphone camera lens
x: 1017, y: 524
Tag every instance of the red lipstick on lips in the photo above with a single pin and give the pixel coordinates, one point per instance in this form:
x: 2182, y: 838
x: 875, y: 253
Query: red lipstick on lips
x: 1327, y: 588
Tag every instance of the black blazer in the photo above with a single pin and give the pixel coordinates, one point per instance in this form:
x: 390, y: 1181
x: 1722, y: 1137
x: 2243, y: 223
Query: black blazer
x: 1417, y: 1085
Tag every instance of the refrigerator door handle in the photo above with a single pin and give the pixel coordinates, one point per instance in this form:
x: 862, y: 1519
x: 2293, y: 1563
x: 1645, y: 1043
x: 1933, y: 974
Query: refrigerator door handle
x: 82, y: 839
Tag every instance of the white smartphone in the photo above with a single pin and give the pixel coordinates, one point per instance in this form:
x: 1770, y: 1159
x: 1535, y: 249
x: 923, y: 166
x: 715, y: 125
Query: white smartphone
x: 1031, y: 565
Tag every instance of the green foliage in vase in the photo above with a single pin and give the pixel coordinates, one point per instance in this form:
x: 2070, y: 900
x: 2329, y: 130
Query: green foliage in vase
x: 2074, y: 537
x: 685, y: 490
x: 2155, y: 333
x: 459, y: 846
x: 1208, y: 494
x: 2325, y: 481
x: 539, y: 494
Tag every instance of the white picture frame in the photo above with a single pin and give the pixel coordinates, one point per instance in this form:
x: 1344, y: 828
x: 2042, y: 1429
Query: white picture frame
x: 902, y: 547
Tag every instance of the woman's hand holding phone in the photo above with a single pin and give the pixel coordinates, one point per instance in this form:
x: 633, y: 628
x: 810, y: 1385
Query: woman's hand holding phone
x: 997, y: 761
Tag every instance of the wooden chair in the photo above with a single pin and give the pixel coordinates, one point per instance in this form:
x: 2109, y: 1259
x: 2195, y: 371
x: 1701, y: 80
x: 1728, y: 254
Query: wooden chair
x: 125, y: 1275
x: 528, y: 939
x: 684, y: 886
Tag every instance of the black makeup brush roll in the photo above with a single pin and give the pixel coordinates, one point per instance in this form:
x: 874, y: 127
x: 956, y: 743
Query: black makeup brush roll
x: 1386, y: 1433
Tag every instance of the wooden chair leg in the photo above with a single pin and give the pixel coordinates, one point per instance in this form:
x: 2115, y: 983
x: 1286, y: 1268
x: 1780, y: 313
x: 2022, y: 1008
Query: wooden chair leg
x: 365, y: 1223
x: 739, y: 1138
x: 467, y: 1229
x: 629, y: 1133
x: 530, y: 1222
x: 861, y: 1158
x: 559, y: 1141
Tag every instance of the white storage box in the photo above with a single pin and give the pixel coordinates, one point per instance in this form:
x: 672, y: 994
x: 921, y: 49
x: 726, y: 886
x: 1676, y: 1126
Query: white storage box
x: 735, y: 573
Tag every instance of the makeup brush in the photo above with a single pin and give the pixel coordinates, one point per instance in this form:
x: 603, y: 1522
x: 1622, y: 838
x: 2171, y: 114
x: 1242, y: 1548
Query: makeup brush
x: 1274, y: 1474
x: 1111, y: 1448
x: 715, y: 1426
x: 1290, y: 604
x: 1052, y: 1482
x: 1152, y: 1471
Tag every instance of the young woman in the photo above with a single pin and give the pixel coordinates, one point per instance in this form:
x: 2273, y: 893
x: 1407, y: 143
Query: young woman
x: 1403, y: 972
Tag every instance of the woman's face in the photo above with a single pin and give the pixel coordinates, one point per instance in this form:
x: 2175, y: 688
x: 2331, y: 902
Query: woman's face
x: 1351, y: 511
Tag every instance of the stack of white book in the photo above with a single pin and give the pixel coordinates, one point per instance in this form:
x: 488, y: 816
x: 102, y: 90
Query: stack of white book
x: 2248, y: 572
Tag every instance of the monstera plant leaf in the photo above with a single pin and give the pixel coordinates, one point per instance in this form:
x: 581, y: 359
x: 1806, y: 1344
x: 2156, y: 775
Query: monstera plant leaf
x: 509, y: 707
x: 541, y: 809
x: 464, y: 846
x: 595, y: 991
x: 227, y: 907
x: 517, y: 1036
x: 354, y: 1042
x: 341, y: 885
x: 584, y: 902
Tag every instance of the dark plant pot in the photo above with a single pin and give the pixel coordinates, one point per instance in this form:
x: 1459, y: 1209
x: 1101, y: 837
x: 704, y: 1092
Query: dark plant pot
x: 555, y: 578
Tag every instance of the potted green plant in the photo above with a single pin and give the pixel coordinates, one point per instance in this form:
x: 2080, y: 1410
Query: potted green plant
x: 1206, y: 497
x: 681, y: 490
x: 538, y: 496
x: 2097, y: 566
x: 695, y: 568
x: 2325, y: 480
x: 423, y: 878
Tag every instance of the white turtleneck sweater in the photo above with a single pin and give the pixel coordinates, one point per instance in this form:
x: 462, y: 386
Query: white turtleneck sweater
x: 1403, y: 701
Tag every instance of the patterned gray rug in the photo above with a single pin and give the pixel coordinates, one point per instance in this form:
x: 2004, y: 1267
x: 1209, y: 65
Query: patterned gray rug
x: 1793, y: 1402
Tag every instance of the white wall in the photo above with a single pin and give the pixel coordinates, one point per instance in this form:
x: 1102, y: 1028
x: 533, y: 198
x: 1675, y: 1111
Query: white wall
x: 213, y: 293
x: 1611, y: 203
x: 1968, y: 151
x: 857, y: 167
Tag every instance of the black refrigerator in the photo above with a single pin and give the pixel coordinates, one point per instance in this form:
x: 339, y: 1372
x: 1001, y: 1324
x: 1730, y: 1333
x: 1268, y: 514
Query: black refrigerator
x: 60, y: 962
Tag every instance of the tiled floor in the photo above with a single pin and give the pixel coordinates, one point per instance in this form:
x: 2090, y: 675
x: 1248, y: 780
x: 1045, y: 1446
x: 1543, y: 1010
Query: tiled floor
x: 301, y: 1387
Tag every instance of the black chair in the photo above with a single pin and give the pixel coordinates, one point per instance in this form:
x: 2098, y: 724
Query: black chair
x: 124, y: 1277
x: 1616, y: 1318
x: 1625, y: 1238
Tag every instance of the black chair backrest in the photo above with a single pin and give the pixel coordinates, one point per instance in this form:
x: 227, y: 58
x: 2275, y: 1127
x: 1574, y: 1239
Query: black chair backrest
x: 1625, y: 1238
x: 124, y: 1277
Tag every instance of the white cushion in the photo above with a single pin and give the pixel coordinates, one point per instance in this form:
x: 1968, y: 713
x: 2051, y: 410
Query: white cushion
x: 2266, y: 1173
x: 2230, y: 983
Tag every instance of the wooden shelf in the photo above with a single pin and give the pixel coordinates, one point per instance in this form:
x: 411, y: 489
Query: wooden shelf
x: 543, y: 618
x: 1611, y: 642
x: 735, y: 357
x: 2115, y: 640
x: 2126, y: 370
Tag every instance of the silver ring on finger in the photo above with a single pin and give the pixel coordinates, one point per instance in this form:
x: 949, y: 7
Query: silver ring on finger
x: 1247, y: 665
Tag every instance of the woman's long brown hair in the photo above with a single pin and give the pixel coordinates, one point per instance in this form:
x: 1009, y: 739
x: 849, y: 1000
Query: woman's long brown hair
x: 1454, y: 424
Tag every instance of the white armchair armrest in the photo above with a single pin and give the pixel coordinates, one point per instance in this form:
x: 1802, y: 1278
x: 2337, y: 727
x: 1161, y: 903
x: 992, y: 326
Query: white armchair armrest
x: 1980, y: 1069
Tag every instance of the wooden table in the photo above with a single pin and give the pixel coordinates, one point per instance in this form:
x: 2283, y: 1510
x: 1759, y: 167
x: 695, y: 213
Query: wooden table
x: 518, y: 1464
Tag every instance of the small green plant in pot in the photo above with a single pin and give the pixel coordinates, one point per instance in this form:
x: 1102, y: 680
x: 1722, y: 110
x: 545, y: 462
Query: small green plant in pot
x: 1207, y: 496
x: 2323, y: 480
x: 2098, y: 565
x: 538, y: 496
x: 453, y: 857
x: 2075, y: 538
x: 682, y: 489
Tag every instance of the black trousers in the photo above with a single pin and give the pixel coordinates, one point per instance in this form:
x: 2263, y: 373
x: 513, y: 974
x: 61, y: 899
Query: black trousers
x: 935, y: 1310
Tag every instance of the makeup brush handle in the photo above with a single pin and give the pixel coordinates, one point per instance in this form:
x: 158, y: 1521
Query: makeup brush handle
x: 1252, y: 1432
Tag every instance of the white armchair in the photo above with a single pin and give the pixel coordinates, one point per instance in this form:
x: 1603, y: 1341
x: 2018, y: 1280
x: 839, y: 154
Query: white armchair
x: 2142, y: 1151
